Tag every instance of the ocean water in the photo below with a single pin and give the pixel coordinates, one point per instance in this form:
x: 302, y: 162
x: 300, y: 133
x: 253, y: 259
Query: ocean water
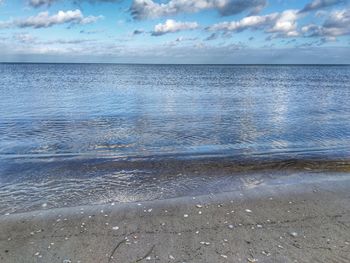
x: 76, y: 134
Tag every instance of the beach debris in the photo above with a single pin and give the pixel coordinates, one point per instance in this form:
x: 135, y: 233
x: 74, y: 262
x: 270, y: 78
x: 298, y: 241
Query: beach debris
x: 115, y: 228
x: 204, y: 243
x: 44, y: 205
x: 259, y: 226
x: 199, y: 206
x: 199, y: 212
x: 185, y: 215
x: 7, y: 214
x: 197, y: 232
x: 171, y: 257
x: 293, y: 234
x: 223, y: 256
x: 148, y: 258
x: 279, y: 246
x: 266, y: 253
x: 149, y: 210
x: 249, y: 211
x: 230, y: 226
x: 37, y: 254
x: 67, y: 261
x: 252, y: 260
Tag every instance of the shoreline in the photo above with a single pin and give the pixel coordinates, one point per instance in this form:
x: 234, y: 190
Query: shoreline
x: 301, y: 222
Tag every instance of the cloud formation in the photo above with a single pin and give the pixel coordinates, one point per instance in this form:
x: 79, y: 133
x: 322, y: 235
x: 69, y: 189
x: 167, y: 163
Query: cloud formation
x: 284, y: 24
x: 38, y: 3
x: 145, y: 9
x: 44, y: 19
x: 172, y: 26
x: 320, y: 4
x: 337, y: 24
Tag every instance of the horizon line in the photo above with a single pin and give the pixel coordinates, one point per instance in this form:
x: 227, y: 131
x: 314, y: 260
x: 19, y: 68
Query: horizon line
x: 189, y: 64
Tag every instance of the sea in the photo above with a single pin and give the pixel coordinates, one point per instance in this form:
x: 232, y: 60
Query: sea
x: 86, y: 134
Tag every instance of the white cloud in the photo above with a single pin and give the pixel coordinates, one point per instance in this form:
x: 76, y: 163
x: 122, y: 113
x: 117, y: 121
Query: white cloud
x: 320, y: 4
x: 337, y: 24
x: 143, y: 9
x: 44, y: 19
x: 37, y: 3
x: 172, y: 26
x: 24, y: 38
x: 284, y: 23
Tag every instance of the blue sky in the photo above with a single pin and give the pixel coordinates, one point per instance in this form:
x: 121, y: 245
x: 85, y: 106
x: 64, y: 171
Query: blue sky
x: 175, y: 31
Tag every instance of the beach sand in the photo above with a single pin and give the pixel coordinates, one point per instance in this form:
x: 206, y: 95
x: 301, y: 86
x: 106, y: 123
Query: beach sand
x: 308, y: 222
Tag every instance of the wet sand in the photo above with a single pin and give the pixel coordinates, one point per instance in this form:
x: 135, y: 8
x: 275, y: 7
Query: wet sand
x: 308, y: 222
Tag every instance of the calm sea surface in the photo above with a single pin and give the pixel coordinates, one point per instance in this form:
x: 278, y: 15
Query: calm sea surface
x: 74, y: 134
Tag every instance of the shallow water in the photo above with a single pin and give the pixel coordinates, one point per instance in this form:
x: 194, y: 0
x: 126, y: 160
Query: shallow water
x: 75, y: 134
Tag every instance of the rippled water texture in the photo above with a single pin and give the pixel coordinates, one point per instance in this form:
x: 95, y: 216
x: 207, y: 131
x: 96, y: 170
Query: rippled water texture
x: 76, y: 134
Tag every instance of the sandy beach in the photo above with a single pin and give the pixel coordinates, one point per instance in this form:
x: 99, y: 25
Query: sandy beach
x: 308, y: 222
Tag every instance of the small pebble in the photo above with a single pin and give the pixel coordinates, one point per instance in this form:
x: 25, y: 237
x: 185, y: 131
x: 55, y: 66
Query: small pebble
x: 293, y: 234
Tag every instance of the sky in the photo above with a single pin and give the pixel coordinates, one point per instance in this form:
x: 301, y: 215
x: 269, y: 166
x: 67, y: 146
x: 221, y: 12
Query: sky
x: 176, y: 31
